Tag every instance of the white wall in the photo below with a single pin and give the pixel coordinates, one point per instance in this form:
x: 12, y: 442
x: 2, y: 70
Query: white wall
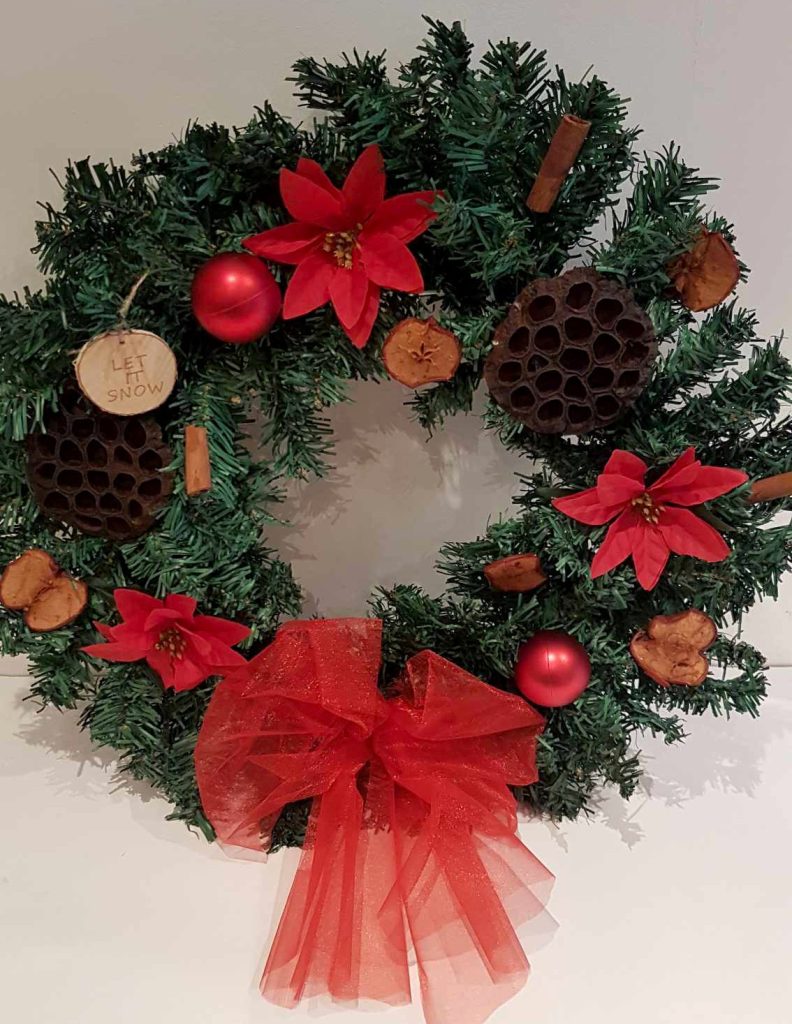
x: 106, y: 77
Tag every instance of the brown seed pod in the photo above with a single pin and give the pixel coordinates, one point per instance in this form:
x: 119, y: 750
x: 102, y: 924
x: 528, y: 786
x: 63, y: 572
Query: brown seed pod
x: 670, y: 649
x: 49, y: 597
x: 515, y: 574
x: 572, y: 355
x: 101, y: 474
x: 707, y: 274
x: 420, y: 352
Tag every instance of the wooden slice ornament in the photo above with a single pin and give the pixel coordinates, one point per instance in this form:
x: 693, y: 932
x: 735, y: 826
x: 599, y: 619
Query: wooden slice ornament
x: 706, y: 275
x: 49, y: 598
x: 420, y: 352
x: 515, y: 574
x: 572, y: 355
x: 671, y: 648
x: 126, y: 372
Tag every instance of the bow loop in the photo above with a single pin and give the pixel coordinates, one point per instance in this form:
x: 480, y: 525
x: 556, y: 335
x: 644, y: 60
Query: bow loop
x: 333, y: 664
x: 411, y: 838
x: 449, y: 703
x: 453, y: 716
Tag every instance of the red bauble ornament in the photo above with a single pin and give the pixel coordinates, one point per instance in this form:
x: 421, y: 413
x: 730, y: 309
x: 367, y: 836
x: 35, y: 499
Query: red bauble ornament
x: 235, y: 298
x: 552, y: 669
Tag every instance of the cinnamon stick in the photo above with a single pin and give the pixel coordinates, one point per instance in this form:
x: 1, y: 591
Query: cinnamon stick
x: 772, y: 487
x: 197, y: 471
x: 563, y: 150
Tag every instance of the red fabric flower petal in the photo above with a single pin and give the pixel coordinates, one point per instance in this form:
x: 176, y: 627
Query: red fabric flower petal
x: 650, y: 555
x: 126, y: 633
x: 160, y: 619
x: 364, y: 188
x: 318, y: 207
x: 177, y: 673
x: 182, y: 604
x: 309, y: 202
x: 224, y: 630
x: 163, y: 664
x: 113, y: 651
x: 207, y: 649
x: 309, y: 286
x: 626, y: 464
x: 389, y: 263
x: 694, y: 484
x: 617, y: 546
x: 186, y: 675
x: 312, y: 170
x: 615, y: 489
x: 198, y: 647
x: 288, y: 243
x: 405, y: 216
x: 586, y: 507
x: 348, y: 291
x: 686, y: 534
x: 673, y: 485
x: 224, y: 659
x: 134, y: 606
x: 686, y: 482
x: 684, y: 462
x: 360, y: 333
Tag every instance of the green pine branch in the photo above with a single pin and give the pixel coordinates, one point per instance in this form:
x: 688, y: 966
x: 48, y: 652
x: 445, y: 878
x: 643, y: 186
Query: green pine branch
x: 477, y: 131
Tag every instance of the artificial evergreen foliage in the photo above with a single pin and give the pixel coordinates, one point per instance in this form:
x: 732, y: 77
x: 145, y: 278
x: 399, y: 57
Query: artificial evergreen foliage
x: 477, y: 131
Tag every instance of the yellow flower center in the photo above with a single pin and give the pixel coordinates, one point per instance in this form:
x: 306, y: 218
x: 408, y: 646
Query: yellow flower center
x: 645, y: 506
x: 172, y: 641
x: 341, y: 246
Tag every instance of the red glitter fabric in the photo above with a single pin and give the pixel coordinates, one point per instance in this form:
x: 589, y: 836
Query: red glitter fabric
x: 411, y: 844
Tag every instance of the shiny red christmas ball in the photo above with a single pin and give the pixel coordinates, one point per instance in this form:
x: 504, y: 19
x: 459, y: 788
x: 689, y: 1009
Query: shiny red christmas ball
x: 552, y: 669
x: 235, y: 298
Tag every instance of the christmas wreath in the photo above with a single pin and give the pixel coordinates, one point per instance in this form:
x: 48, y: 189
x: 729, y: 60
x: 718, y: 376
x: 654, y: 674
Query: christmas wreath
x: 452, y: 224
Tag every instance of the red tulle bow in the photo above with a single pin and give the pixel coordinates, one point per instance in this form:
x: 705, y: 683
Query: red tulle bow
x: 412, y: 829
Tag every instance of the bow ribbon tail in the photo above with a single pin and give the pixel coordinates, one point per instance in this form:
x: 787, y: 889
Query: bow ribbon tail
x: 412, y: 834
x: 464, y: 895
x: 334, y: 936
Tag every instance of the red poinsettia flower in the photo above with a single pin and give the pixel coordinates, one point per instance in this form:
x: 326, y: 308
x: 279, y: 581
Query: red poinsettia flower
x: 347, y: 243
x: 650, y: 525
x: 183, y: 648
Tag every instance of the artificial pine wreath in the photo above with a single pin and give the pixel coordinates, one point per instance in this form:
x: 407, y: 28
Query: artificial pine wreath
x: 470, y: 140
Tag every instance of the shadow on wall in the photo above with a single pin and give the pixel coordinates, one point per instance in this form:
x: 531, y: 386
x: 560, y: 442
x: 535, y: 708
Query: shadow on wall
x: 725, y: 755
x: 391, y: 499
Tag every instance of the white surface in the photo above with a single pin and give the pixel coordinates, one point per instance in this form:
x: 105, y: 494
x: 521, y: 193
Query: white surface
x: 106, y: 78
x: 673, y: 908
